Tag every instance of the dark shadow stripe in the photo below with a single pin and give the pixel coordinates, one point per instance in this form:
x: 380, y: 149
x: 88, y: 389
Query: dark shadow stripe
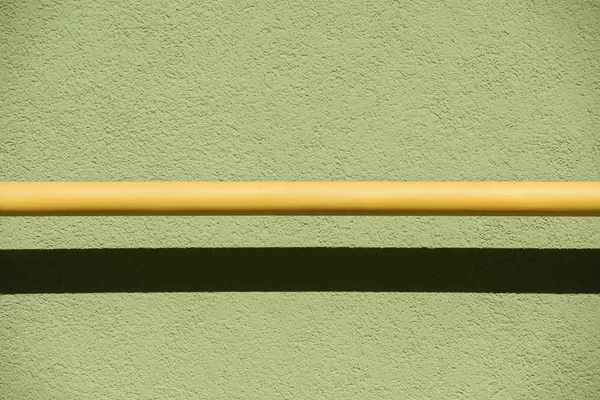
x: 300, y: 270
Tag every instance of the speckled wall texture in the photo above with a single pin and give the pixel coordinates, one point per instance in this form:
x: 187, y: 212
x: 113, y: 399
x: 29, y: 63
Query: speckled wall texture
x: 309, y: 90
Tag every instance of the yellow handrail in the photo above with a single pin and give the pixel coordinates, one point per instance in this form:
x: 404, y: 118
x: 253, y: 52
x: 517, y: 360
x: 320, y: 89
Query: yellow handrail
x: 300, y: 198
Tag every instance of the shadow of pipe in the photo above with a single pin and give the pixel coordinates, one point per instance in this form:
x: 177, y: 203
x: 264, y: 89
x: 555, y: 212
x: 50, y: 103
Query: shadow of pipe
x: 300, y: 270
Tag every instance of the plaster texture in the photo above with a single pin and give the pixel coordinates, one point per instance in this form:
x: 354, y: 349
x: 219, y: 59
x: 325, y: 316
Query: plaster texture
x: 314, y: 90
x: 298, y: 345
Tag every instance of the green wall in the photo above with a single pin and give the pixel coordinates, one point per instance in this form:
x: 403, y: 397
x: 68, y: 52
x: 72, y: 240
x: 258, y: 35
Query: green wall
x: 312, y: 90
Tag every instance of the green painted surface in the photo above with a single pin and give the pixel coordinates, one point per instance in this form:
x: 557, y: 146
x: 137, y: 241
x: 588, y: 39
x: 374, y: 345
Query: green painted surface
x: 259, y: 90
x: 297, y: 345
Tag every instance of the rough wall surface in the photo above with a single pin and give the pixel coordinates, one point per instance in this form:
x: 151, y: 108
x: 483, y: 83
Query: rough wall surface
x: 319, y: 90
x: 298, y: 345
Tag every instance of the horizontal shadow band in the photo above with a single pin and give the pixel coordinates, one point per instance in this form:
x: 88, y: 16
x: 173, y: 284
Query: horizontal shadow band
x: 300, y: 270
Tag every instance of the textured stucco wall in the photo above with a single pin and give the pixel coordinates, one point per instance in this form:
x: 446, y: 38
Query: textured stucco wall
x: 294, y: 345
x: 320, y: 90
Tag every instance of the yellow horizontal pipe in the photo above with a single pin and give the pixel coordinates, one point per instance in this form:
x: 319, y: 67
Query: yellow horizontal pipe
x: 300, y: 198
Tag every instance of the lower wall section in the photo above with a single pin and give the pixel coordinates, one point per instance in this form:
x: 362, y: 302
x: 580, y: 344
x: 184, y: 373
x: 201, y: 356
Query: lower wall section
x: 299, y: 345
x: 299, y: 323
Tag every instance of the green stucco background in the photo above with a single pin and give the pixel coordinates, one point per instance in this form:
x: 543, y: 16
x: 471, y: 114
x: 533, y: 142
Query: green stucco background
x: 313, y: 90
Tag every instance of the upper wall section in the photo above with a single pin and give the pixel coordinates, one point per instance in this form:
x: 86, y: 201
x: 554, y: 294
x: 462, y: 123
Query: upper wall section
x: 271, y: 90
